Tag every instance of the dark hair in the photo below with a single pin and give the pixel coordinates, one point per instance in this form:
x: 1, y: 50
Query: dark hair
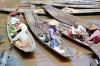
x: 54, y: 28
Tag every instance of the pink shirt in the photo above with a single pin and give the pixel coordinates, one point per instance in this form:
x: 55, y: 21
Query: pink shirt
x: 96, y: 33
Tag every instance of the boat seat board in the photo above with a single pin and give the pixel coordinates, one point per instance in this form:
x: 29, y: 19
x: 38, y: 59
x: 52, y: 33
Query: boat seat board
x: 29, y: 16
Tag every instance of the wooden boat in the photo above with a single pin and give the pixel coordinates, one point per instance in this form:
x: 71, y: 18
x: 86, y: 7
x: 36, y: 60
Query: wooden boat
x: 79, y: 2
x: 96, y: 49
x: 50, y: 1
x: 67, y: 21
x: 29, y: 48
x: 68, y: 5
x: 65, y: 17
x: 8, y: 10
x: 80, y: 11
x: 67, y: 2
x: 40, y: 32
x: 69, y: 17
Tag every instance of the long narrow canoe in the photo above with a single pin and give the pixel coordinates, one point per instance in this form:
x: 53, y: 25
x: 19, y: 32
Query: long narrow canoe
x: 80, y: 2
x: 80, y: 11
x: 66, y: 50
x: 64, y: 27
x: 68, y: 2
x: 8, y: 10
x: 96, y: 49
x: 29, y: 48
x: 69, y: 5
x: 65, y: 17
x: 66, y: 20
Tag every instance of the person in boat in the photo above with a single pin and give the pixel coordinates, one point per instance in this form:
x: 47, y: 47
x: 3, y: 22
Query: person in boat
x: 92, y: 28
x: 78, y: 31
x: 22, y: 26
x: 53, y: 32
x: 95, y: 37
x: 22, y: 37
x: 13, y: 19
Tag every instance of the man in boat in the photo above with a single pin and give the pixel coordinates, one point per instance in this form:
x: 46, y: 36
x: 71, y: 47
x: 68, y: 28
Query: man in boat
x: 78, y: 32
x: 22, y: 26
x: 13, y: 19
x: 22, y: 37
x: 95, y: 37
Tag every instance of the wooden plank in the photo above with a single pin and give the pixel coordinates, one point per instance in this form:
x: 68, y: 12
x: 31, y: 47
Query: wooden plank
x: 65, y: 17
x: 80, y: 11
x: 29, y: 16
x: 38, y: 11
x: 68, y: 5
x: 95, y: 47
x: 68, y: 2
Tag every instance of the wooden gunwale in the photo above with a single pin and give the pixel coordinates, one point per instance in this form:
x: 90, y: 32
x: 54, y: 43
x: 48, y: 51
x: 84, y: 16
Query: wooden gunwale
x: 65, y: 2
x: 65, y: 17
x: 39, y: 31
x: 8, y: 10
x: 80, y: 11
x: 69, y: 5
x: 96, y: 49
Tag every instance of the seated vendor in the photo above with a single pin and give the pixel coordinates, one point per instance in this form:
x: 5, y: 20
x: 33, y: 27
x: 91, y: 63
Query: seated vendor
x: 22, y: 37
x: 95, y: 37
x: 78, y: 31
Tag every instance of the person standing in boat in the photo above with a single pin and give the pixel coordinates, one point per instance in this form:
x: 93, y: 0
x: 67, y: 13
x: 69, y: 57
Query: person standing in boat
x: 54, y: 33
x: 95, y: 37
x: 78, y: 31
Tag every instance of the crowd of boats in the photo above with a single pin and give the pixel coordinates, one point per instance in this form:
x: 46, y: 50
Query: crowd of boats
x: 49, y: 31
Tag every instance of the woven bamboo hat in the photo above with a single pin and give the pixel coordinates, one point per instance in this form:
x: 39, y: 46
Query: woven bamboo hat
x: 93, y: 27
x: 53, y: 22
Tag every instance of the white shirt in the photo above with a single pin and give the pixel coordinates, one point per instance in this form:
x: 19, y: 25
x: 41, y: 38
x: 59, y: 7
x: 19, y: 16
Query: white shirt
x: 23, y: 27
x: 79, y: 29
x: 13, y: 20
x: 21, y: 35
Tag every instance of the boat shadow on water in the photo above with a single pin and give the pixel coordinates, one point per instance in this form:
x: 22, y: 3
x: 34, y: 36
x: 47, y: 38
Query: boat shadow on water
x: 24, y: 55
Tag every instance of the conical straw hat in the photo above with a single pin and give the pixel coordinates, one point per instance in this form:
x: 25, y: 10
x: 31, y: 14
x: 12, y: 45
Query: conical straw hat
x: 93, y: 27
x: 53, y: 22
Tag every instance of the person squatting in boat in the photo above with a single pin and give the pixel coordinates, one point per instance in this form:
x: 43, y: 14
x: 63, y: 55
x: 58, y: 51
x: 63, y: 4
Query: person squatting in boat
x: 95, y: 37
x: 21, y: 31
x: 22, y: 37
x: 78, y: 32
x: 55, y: 39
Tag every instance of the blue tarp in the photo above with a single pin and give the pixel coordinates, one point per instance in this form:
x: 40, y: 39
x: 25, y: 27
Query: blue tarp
x: 13, y: 60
